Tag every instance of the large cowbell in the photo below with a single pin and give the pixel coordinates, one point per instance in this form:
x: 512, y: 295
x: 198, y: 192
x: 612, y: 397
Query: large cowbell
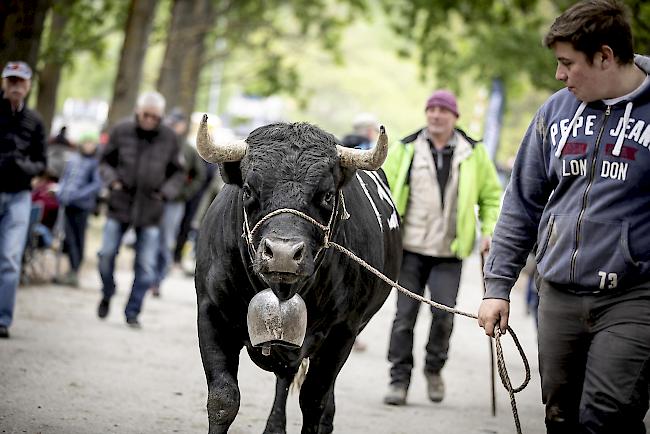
x: 275, y: 322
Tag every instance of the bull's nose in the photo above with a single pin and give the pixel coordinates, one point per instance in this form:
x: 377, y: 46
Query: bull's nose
x: 282, y: 256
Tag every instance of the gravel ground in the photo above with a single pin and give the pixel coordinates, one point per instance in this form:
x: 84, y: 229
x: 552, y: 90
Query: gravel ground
x: 65, y: 371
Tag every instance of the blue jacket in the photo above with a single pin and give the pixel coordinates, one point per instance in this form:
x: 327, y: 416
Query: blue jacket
x: 580, y: 191
x: 80, y: 182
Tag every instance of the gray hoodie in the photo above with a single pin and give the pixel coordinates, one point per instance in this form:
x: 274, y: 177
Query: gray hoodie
x: 580, y: 192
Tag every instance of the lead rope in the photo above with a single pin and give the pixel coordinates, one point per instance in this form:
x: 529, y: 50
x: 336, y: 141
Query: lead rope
x: 501, y: 365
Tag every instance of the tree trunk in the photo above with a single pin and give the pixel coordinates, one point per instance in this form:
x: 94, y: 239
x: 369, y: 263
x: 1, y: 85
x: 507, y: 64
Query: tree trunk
x: 50, y: 75
x: 181, y: 67
x: 21, y: 26
x: 134, y: 48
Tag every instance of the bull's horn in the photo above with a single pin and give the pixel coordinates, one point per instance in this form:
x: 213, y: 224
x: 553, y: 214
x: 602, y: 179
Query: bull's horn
x: 218, y: 153
x: 370, y: 159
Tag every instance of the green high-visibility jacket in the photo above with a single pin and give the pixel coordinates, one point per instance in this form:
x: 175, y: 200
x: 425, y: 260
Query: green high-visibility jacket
x: 478, y: 186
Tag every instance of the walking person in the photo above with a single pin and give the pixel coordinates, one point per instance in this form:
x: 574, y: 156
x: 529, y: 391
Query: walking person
x: 77, y: 195
x: 365, y: 130
x: 142, y: 168
x: 438, y: 176
x: 579, y: 189
x: 22, y: 156
x: 193, y: 179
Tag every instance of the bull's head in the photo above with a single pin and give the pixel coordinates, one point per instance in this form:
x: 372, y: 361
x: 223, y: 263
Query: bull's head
x: 288, y: 166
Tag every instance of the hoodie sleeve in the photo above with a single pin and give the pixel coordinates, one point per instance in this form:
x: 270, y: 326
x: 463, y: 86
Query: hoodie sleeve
x: 526, y: 196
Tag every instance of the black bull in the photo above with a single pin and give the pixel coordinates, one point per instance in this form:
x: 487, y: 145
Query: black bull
x: 298, y: 167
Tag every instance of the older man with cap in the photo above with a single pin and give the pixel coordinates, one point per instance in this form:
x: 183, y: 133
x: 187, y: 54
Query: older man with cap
x: 22, y: 156
x: 142, y: 167
x: 438, y: 176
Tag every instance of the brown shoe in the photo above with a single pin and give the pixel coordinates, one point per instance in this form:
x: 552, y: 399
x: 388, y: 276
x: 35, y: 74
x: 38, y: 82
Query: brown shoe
x: 396, y: 395
x: 359, y: 346
x: 435, y: 387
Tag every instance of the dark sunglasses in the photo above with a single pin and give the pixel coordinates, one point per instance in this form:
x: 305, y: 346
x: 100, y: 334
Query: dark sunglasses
x: 150, y: 115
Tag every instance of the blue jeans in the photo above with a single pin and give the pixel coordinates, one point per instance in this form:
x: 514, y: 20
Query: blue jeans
x: 169, y: 226
x: 14, y: 225
x: 146, y: 248
x: 76, y: 220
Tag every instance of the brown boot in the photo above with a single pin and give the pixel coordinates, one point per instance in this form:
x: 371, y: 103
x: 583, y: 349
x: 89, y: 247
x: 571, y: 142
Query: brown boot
x: 435, y: 387
x: 396, y: 395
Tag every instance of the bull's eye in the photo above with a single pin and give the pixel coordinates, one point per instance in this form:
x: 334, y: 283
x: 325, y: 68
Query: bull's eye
x: 246, y: 192
x: 328, y: 198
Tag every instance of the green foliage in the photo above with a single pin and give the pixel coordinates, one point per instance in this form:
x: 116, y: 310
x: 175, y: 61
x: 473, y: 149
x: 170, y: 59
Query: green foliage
x: 266, y: 33
x: 481, y: 38
x: 641, y: 24
x: 88, y: 23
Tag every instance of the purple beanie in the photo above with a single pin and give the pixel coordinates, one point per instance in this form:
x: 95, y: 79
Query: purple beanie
x: 445, y: 99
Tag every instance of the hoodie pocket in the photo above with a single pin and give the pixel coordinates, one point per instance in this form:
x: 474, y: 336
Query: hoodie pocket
x: 604, y: 261
x: 541, y: 249
x: 554, y: 252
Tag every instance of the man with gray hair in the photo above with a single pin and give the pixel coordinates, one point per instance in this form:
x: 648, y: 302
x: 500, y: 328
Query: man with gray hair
x: 365, y: 130
x: 142, y: 168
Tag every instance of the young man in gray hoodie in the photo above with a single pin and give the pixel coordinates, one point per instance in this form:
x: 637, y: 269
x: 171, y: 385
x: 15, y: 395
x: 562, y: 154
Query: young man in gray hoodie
x: 580, y: 192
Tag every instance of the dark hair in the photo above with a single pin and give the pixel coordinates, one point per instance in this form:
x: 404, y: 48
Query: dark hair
x: 590, y: 24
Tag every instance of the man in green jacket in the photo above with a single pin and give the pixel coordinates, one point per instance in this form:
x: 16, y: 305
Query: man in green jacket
x: 438, y: 177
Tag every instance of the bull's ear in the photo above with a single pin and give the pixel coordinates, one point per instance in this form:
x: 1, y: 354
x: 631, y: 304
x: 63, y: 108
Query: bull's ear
x: 231, y: 173
x: 347, y: 174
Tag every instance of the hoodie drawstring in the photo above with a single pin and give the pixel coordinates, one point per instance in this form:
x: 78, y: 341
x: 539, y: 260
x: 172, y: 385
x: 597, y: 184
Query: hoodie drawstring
x: 567, y: 131
x: 621, y: 135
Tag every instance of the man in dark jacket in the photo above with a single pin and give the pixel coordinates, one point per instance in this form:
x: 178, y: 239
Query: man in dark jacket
x: 174, y: 209
x: 22, y: 156
x: 142, y: 168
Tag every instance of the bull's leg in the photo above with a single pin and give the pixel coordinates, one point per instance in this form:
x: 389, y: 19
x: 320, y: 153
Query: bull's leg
x: 220, y: 362
x: 277, y: 421
x: 317, y: 392
x: 327, y: 419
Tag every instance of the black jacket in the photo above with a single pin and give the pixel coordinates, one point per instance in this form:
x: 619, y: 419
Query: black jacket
x: 149, y: 167
x: 22, y: 147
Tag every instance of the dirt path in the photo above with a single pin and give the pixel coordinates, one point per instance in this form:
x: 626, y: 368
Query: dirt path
x: 65, y: 371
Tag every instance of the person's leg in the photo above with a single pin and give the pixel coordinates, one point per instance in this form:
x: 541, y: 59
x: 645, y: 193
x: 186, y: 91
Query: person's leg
x: 533, y: 298
x: 191, y: 207
x: 413, y: 274
x: 14, y: 225
x: 443, y: 282
x: 563, y: 340
x: 615, y: 392
x: 146, y: 248
x: 168, y: 231
x: 111, y: 239
x: 82, y: 224
x: 72, y: 236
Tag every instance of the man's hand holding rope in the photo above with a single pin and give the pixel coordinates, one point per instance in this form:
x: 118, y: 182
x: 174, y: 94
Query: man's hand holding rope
x: 494, y: 311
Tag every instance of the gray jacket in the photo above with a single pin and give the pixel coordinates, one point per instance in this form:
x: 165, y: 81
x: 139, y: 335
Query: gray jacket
x: 580, y: 191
